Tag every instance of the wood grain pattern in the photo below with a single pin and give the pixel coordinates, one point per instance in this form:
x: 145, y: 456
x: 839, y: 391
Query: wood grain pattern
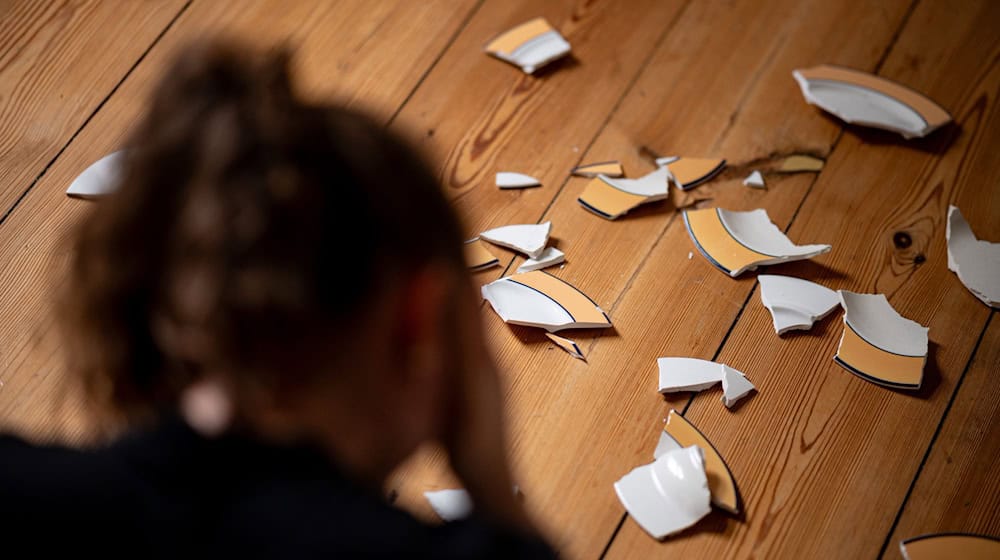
x: 50, y: 79
x: 958, y: 489
x: 824, y: 459
x: 577, y: 427
x: 478, y: 115
x: 340, y: 43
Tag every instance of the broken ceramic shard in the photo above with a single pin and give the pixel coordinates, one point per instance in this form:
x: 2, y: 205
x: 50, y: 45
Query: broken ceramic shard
x: 661, y: 161
x: 668, y: 495
x: 538, y: 299
x: 477, y: 256
x: 611, y: 198
x: 795, y: 303
x: 862, y: 98
x: 511, y: 180
x: 755, y: 180
x: 739, y: 241
x: 450, y: 505
x: 531, y: 45
x: 549, y: 257
x: 800, y: 164
x: 735, y: 386
x: 939, y: 546
x: 687, y: 374
x: 568, y: 345
x: 606, y: 168
x: 529, y: 239
x: 688, y: 173
x: 678, y: 433
x: 100, y: 179
x: 879, y: 344
x: 692, y: 374
x: 976, y: 262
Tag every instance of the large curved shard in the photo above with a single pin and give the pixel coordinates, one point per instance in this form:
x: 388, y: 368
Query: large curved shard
x: 879, y: 344
x: 538, y: 299
x: 865, y: 99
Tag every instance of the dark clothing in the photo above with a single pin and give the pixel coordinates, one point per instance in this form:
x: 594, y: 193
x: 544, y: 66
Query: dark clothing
x: 169, y: 493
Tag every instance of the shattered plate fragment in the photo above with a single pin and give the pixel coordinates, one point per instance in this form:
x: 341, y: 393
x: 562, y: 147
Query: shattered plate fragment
x: 739, y: 241
x: 477, y: 256
x: 568, y: 345
x: 100, y: 179
x: 801, y: 164
x: 610, y: 198
x: 668, y: 495
x: 538, y: 299
x: 865, y: 99
x: 549, y: 257
x: 678, y: 433
x: 531, y: 45
x: 941, y: 546
x: 688, y: 173
x: 606, y: 168
x: 755, y: 180
x: 976, y: 262
x: 661, y: 161
x: 450, y: 505
x: 692, y: 374
x: 511, y: 180
x: 880, y: 345
x: 529, y: 239
x: 795, y: 303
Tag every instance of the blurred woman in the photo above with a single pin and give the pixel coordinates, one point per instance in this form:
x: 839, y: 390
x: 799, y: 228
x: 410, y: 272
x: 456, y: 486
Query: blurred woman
x: 275, y: 302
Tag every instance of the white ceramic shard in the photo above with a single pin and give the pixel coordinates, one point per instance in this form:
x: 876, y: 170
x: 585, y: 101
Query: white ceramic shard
x: 976, y: 262
x: 795, y: 303
x: 735, y: 386
x: 549, y: 257
x: 668, y: 495
x: 687, y: 172
x: 571, y: 348
x: 692, y: 374
x: 538, y: 299
x: 511, y: 180
x: 450, y: 505
x: 100, y: 179
x: 865, y: 99
x: 611, y: 198
x: 652, y: 185
x: 687, y: 374
x: 879, y: 344
x: 755, y: 180
x: 736, y: 242
x: 678, y: 433
x: 531, y: 45
x: 529, y: 239
x: 661, y: 161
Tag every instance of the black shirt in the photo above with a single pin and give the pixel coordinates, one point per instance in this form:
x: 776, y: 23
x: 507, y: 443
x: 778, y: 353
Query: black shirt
x: 169, y: 493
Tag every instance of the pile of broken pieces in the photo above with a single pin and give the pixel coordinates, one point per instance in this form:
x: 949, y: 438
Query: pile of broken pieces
x: 688, y: 475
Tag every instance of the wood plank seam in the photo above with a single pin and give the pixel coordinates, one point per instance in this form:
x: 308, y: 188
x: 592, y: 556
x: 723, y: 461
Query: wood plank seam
x: 444, y: 48
x: 934, y: 438
x: 96, y: 110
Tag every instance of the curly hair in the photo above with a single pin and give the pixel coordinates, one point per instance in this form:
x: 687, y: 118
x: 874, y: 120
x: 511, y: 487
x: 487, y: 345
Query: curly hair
x: 247, y: 220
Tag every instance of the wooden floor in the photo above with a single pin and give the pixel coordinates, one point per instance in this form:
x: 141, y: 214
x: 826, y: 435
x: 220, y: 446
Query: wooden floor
x: 828, y: 465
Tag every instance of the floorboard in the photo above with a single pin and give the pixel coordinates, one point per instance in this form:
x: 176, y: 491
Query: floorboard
x: 50, y: 80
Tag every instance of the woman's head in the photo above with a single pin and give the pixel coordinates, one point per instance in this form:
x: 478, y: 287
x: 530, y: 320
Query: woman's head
x: 255, y: 236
